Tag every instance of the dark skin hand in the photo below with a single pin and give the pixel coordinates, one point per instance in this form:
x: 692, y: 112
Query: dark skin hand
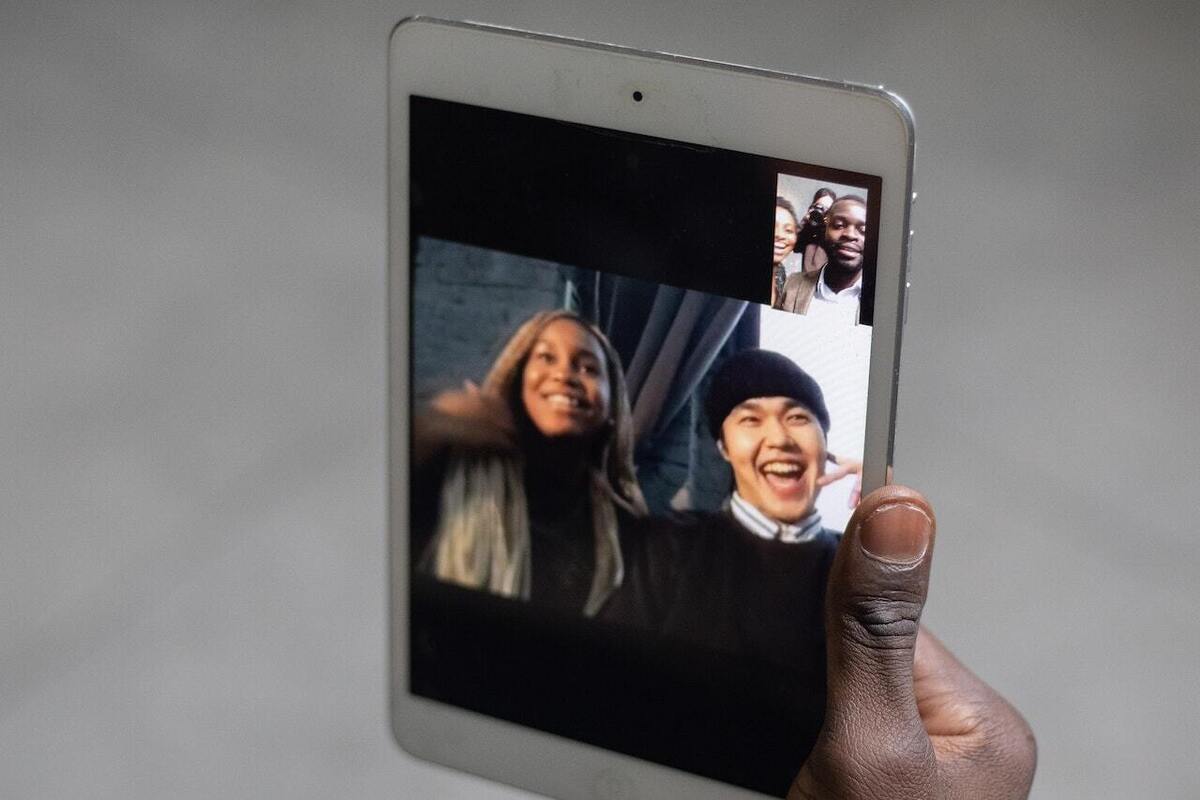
x: 469, y: 419
x: 904, y: 719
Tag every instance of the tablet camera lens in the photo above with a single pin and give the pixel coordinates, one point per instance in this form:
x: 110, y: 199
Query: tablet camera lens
x: 637, y: 97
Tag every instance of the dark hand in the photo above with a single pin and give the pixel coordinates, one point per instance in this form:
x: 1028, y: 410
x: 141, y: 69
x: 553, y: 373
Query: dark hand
x: 467, y: 419
x: 904, y: 719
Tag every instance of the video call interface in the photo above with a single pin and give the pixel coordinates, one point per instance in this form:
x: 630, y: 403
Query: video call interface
x: 635, y: 445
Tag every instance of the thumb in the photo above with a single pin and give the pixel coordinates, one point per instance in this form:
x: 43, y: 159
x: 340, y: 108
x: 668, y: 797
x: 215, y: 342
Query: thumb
x: 877, y: 590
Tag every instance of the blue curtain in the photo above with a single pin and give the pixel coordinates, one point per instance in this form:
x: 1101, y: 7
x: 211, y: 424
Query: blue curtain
x: 669, y: 339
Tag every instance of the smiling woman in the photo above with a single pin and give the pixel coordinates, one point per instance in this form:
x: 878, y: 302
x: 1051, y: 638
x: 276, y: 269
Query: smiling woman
x: 786, y: 228
x: 565, y: 381
x: 528, y: 463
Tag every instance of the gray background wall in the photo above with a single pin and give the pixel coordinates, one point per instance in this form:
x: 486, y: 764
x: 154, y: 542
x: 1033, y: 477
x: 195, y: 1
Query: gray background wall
x: 192, y: 421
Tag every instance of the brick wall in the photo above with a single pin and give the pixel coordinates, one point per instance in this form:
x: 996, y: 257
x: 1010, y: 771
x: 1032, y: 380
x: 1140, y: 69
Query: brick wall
x: 466, y: 302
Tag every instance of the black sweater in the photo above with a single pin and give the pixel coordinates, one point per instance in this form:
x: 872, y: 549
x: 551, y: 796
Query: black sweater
x: 710, y: 658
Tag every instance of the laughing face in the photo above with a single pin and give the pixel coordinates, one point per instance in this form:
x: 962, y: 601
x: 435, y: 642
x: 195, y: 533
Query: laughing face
x: 846, y: 234
x: 565, y: 383
x: 777, y: 450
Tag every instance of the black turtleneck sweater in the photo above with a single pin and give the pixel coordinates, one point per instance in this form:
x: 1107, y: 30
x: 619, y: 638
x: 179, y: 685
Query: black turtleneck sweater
x: 710, y: 658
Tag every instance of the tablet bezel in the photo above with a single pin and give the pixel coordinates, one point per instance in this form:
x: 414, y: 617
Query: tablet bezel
x: 845, y: 126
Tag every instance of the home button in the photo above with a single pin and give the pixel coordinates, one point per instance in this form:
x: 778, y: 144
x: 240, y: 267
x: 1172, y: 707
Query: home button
x: 611, y: 785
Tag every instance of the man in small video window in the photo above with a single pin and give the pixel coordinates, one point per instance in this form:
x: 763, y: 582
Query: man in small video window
x: 835, y: 290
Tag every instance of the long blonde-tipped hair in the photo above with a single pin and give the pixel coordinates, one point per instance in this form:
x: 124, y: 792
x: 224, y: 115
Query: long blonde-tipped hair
x: 482, y: 541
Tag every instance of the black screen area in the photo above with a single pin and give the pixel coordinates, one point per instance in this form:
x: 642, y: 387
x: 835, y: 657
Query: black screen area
x: 671, y: 213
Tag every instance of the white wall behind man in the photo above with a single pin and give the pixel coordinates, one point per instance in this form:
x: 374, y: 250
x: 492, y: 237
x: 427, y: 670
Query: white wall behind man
x: 192, y: 319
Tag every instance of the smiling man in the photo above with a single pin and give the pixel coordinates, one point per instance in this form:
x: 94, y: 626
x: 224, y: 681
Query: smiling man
x: 745, y: 585
x: 769, y: 420
x: 835, y: 290
x: 750, y: 577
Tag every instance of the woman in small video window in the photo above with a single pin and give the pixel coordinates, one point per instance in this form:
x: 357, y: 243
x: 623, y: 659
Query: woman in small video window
x: 534, y: 470
x: 812, y: 231
x: 787, y: 226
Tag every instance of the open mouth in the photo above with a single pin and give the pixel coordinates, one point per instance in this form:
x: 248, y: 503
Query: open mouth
x: 566, y: 402
x: 786, y: 478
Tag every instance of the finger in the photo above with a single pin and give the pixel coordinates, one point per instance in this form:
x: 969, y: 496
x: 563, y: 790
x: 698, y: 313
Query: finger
x: 836, y: 475
x: 877, y: 589
x: 953, y: 700
x: 981, y: 740
x: 872, y: 745
x: 948, y: 695
x: 445, y: 402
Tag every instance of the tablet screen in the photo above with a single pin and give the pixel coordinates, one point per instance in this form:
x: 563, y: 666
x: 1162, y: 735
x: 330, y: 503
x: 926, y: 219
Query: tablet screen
x: 635, y: 444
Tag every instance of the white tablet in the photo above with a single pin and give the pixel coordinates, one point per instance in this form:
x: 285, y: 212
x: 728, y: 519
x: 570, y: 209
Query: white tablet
x: 623, y: 447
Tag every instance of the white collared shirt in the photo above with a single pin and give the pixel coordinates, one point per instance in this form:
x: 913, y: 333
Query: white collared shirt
x: 764, y: 527
x: 828, y: 303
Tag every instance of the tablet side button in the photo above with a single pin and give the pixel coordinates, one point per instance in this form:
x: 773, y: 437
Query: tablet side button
x: 909, y: 254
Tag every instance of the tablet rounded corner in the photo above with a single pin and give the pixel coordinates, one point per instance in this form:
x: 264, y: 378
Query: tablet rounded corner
x: 404, y: 737
x: 903, y: 111
x: 405, y: 24
x: 408, y: 26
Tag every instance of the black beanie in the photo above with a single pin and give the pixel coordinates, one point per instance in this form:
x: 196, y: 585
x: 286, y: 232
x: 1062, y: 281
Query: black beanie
x: 760, y: 373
